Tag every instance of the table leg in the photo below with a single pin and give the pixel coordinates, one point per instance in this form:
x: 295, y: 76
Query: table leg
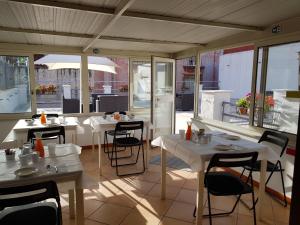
x: 93, y: 144
x: 261, y: 193
x: 99, y: 153
x: 79, y: 206
x: 72, y: 204
x: 147, y: 148
x: 75, y: 137
x: 163, y: 174
x: 199, y: 200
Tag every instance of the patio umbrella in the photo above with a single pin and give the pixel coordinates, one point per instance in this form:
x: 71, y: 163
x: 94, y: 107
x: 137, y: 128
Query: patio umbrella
x: 55, y: 62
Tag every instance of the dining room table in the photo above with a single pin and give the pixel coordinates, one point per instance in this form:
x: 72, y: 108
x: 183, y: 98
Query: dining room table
x: 20, y: 129
x: 61, y: 165
x: 100, y: 124
x: 196, y: 154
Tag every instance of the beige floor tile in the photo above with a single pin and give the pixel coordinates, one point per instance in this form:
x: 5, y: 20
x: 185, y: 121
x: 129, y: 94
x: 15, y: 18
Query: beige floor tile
x: 187, y: 196
x: 149, y: 176
x: 171, y: 191
x: 181, y: 211
x: 248, y: 220
x: 126, y: 198
x: 90, y: 206
x: 190, y: 183
x: 154, y: 205
x: 281, y: 213
x: 135, y: 185
x: 170, y: 221
x: 141, y: 217
x: 68, y: 221
x: 224, y: 203
x: 110, y: 214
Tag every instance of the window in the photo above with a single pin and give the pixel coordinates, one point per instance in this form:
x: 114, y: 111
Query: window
x: 57, y: 83
x: 225, y: 85
x: 141, y: 84
x: 281, y: 74
x: 108, y: 84
x: 14, y: 84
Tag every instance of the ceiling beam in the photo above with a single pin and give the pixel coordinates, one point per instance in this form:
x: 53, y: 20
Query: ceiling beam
x: 140, y: 15
x: 119, y: 10
x: 110, y: 38
x: 150, y: 41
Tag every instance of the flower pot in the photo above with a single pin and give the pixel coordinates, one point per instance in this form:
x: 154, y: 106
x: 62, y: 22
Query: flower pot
x: 243, y: 110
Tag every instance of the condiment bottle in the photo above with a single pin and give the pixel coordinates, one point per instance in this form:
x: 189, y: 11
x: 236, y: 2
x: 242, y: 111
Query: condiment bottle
x: 188, y: 133
x: 39, y: 147
x: 43, y: 118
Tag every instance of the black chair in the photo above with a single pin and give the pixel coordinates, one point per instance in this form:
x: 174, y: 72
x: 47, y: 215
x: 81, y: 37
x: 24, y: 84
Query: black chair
x: 226, y: 184
x: 111, y: 133
x: 48, y: 133
x: 23, y: 205
x: 36, y: 116
x: 281, y: 141
x: 127, y: 142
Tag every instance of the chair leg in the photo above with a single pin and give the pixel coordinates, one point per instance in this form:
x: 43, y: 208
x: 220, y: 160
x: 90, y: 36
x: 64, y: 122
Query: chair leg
x: 253, y: 202
x: 242, y: 173
x: 127, y: 164
x: 209, y: 208
x: 283, y: 186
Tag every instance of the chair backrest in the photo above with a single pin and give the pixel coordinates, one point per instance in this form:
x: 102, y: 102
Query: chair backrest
x: 23, y: 195
x: 275, y: 138
x: 233, y: 160
x: 35, y: 116
x: 47, y: 133
x: 130, y: 126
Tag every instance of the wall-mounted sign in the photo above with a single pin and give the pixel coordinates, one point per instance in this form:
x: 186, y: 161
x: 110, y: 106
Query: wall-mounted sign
x: 276, y: 29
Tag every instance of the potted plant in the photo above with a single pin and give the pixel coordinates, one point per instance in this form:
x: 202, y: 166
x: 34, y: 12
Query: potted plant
x: 243, y: 106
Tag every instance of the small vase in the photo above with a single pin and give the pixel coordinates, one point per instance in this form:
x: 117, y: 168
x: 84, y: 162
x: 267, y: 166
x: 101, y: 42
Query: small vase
x: 188, y: 133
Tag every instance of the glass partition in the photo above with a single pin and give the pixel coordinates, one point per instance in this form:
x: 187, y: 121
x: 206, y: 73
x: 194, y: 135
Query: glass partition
x: 15, y: 94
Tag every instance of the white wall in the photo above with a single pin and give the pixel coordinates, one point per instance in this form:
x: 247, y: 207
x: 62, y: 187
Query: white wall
x: 235, y: 73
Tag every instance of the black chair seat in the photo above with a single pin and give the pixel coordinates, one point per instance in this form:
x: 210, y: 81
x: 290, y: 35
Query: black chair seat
x: 118, y: 133
x: 33, y: 214
x: 222, y: 184
x: 127, y: 142
x: 270, y: 167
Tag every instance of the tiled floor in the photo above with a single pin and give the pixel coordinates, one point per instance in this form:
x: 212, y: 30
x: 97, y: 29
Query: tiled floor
x: 135, y: 200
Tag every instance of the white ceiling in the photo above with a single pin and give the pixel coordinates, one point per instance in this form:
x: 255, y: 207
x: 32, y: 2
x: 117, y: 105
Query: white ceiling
x: 243, y: 12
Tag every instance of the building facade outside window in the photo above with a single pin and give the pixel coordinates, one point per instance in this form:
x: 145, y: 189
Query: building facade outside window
x: 15, y: 94
x: 57, y: 83
x: 225, y: 85
x: 108, y: 84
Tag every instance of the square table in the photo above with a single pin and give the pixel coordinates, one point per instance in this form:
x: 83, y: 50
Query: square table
x: 19, y: 131
x: 69, y: 168
x: 99, y: 125
x: 197, y: 154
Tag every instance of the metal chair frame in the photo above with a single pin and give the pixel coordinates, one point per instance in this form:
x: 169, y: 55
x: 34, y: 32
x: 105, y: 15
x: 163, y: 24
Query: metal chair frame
x: 280, y: 140
x: 131, y: 127
x: 48, y: 133
x: 230, y: 160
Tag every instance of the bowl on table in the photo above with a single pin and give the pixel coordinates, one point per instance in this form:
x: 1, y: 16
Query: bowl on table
x: 29, y: 122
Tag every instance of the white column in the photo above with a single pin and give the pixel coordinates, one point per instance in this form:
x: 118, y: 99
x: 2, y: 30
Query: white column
x: 84, y: 85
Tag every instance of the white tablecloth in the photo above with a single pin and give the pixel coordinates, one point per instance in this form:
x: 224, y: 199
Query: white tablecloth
x: 196, y: 154
x: 99, y: 124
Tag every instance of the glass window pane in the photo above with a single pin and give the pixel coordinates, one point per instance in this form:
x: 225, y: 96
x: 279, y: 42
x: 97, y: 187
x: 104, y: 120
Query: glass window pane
x: 225, y: 85
x: 281, y: 113
x: 108, y: 84
x: 57, y: 80
x: 141, y: 80
x: 14, y: 84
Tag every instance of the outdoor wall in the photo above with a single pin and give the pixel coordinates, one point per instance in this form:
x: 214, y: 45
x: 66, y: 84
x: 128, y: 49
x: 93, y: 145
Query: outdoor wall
x: 235, y: 73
